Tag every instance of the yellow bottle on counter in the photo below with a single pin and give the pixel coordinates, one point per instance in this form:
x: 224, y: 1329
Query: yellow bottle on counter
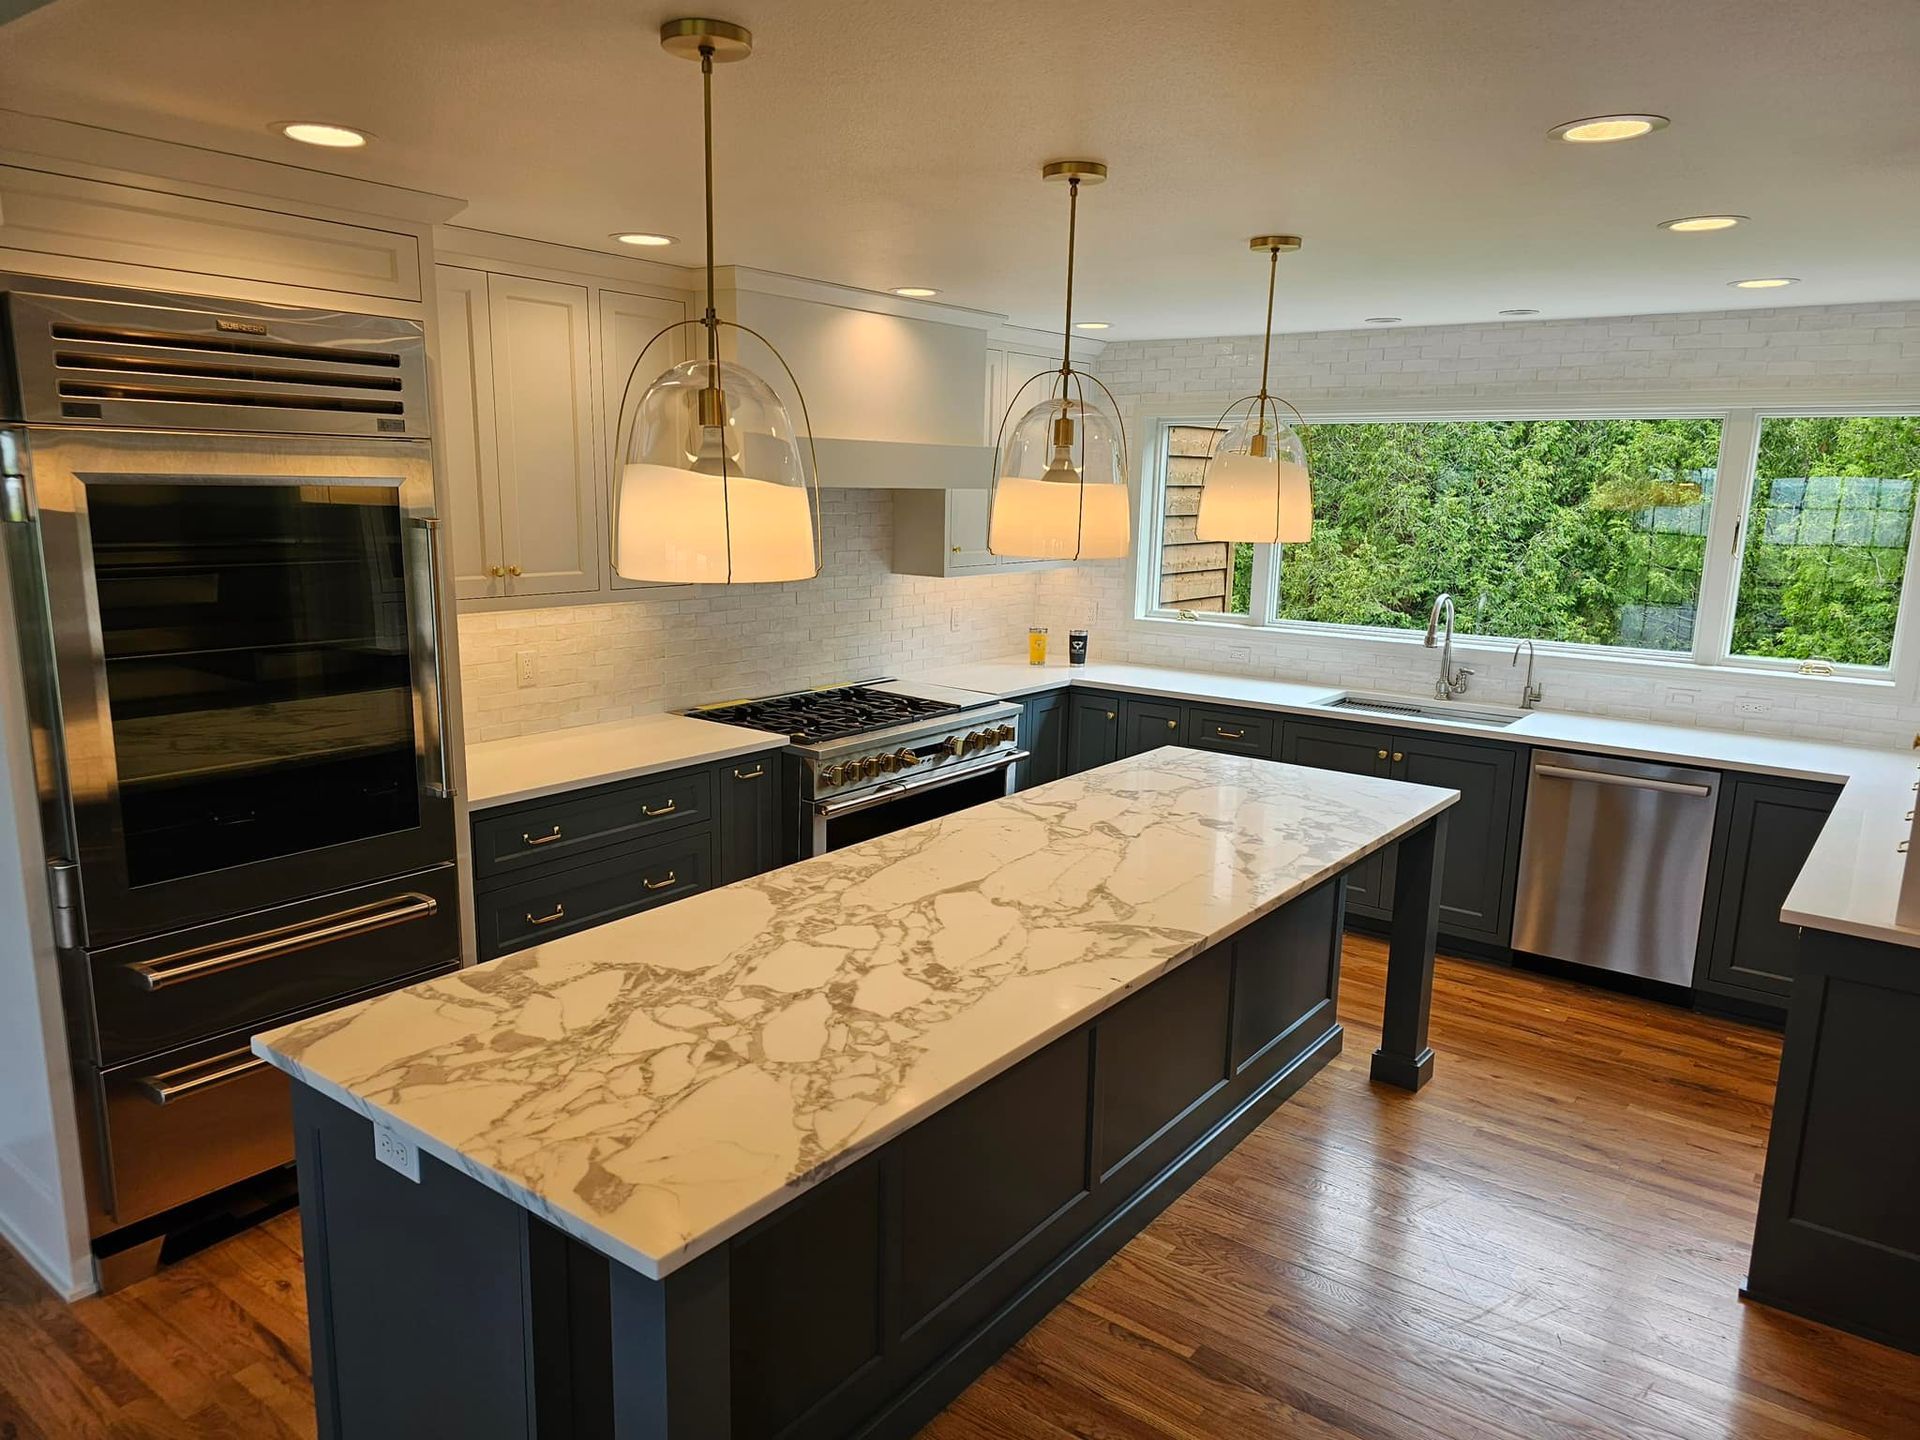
x: 1037, y: 645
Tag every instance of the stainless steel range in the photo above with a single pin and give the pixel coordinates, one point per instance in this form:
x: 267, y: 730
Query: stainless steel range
x: 872, y: 758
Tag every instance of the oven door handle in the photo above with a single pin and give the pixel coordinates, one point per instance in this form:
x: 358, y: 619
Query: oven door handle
x: 853, y: 804
x: 205, y: 960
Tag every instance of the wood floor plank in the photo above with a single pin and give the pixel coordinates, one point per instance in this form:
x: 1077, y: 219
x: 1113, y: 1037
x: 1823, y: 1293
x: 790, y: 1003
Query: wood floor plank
x: 1547, y: 1240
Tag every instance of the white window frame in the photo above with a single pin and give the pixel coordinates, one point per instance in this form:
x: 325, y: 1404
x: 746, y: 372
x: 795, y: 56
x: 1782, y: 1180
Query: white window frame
x: 1722, y: 561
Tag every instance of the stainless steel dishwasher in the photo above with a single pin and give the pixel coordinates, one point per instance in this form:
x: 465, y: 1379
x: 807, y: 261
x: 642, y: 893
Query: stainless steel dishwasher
x: 1613, y: 863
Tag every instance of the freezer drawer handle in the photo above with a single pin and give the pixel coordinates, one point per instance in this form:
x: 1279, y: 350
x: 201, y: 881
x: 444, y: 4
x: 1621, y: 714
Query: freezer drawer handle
x: 1629, y: 782
x: 171, y: 1085
x: 197, y: 964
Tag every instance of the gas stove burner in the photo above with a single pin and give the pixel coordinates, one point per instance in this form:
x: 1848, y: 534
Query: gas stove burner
x: 815, y: 716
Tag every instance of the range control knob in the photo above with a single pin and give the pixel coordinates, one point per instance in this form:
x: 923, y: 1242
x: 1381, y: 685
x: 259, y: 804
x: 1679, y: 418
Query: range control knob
x: 1006, y: 731
x: 956, y: 746
x: 905, y: 759
x: 885, y: 762
x: 977, y: 741
x: 870, y: 766
x: 830, y: 775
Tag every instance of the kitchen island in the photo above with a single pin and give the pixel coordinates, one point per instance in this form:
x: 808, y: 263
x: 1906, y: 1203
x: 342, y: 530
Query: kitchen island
x: 801, y: 1156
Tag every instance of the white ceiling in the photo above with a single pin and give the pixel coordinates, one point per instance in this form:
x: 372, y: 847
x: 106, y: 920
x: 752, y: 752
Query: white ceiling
x: 880, y: 142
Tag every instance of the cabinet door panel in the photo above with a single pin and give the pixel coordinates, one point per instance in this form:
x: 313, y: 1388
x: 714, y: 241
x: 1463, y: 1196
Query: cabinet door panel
x: 1770, y: 832
x: 1149, y: 724
x: 1093, y: 736
x: 749, y: 834
x: 544, y: 424
x: 469, y: 456
x: 1355, y: 750
x: 1043, y: 734
x: 627, y: 323
x: 1476, y: 881
x: 967, y: 514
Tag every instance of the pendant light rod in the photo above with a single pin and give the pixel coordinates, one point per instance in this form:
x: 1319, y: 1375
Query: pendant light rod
x: 712, y: 320
x: 1273, y: 245
x: 1075, y: 173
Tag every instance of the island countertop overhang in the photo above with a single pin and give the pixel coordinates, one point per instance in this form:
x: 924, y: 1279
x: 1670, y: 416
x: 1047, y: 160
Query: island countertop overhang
x: 657, y: 1085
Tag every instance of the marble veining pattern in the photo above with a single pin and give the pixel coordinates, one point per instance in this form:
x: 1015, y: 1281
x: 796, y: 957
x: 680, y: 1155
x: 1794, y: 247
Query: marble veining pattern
x: 655, y: 1085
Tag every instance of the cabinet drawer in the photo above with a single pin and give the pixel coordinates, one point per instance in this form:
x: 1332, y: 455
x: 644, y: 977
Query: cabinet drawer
x: 533, y: 911
x: 528, y: 835
x: 1238, y: 732
x: 149, y: 995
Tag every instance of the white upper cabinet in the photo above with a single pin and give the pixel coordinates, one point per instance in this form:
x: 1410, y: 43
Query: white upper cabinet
x: 469, y: 460
x: 543, y: 428
x: 627, y: 323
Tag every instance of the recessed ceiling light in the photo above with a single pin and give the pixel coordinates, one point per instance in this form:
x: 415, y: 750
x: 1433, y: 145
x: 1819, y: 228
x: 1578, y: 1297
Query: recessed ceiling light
x: 318, y: 132
x: 642, y: 237
x: 1765, y: 282
x: 1383, y: 320
x: 1694, y: 224
x: 915, y: 292
x: 1090, y: 325
x: 1600, y: 129
x: 1519, y: 312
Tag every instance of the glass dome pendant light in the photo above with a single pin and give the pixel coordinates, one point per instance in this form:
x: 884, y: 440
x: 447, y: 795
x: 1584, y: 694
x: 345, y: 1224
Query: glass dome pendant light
x: 1060, y: 477
x: 713, y: 488
x: 1256, y: 487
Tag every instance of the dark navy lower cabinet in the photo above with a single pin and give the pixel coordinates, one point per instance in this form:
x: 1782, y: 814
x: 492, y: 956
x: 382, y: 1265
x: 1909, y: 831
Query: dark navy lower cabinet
x: 1354, y: 750
x: 1763, y: 833
x: 566, y: 863
x: 858, y: 1309
x: 1093, y: 729
x: 1147, y: 724
x: 1838, y: 1233
x: 1044, y: 721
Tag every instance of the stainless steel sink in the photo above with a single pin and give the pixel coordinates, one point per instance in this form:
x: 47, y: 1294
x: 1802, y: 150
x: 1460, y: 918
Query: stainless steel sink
x: 1445, y: 712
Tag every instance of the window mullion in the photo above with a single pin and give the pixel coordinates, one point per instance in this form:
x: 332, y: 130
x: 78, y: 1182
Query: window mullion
x: 1260, y: 600
x: 1720, y: 568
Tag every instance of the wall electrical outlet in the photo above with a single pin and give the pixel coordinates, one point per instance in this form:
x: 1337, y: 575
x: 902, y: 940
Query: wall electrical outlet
x: 1682, y: 699
x: 1240, y: 654
x: 526, y: 665
x: 953, y: 619
x: 1749, y: 705
x: 395, y: 1151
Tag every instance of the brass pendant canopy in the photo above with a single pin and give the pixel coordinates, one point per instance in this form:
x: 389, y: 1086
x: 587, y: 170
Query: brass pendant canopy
x: 716, y: 487
x: 1256, y: 487
x: 1060, y: 471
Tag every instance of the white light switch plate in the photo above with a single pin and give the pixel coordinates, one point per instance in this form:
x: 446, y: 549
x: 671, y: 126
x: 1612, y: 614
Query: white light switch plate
x: 395, y: 1151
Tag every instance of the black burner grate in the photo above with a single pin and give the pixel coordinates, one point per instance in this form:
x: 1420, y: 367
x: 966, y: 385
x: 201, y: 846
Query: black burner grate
x: 820, y: 715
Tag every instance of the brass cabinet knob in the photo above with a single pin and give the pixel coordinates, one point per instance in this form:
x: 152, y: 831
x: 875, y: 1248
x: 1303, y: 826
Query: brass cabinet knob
x: 1173, y: 724
x: 1380, y: 754
x: 513, y: 570
x: 498, y: 572
x: 1110, y: 715
x: 1398, y: 757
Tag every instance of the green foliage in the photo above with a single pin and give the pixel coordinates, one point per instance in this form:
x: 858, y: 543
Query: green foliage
x: 1594, y: 531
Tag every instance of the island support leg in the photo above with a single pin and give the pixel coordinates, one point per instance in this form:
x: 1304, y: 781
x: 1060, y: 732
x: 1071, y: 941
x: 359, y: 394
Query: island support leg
x: 1404, y: 1057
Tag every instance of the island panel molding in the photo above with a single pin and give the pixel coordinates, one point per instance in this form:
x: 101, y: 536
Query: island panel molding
x: 656, y: 1085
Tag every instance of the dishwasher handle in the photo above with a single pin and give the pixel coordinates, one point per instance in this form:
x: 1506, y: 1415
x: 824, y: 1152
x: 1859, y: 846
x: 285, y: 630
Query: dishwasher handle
x: 1630, y: 782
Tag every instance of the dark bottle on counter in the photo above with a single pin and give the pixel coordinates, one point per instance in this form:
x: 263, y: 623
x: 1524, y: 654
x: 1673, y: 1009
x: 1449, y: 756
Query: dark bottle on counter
x: 1076, y: 647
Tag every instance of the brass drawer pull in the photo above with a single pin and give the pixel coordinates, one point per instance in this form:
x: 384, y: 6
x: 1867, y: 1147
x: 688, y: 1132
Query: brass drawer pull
x: 753, y: 774
x: 666, y: 809
x: 526, y: 839
x: 171, y: 1085
x: 659, y: 884
x: 559, y: 913
x: 196, y: 964
x: 1226, y: 734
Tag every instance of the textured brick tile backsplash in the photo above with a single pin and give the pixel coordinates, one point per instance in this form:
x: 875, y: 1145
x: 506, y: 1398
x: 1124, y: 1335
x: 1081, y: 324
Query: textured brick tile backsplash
x: 602, y: 662
x: 690, y: 647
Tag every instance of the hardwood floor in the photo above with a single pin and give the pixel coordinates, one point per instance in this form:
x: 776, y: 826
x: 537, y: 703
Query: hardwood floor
x: 1545, y: 1241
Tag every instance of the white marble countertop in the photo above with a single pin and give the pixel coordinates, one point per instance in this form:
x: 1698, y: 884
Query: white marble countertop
x: 526, y: 767
x: 1850, y: 884
x: 657, y: 1084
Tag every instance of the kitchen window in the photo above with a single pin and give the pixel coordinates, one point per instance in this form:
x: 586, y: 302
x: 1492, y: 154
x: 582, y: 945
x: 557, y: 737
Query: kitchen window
x: 1600, y: 534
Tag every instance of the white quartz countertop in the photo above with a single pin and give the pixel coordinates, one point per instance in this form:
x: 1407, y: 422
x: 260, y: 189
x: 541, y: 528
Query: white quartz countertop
x: 1850, y: 884
x: 526, y: 767
x: 657, y: 1084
